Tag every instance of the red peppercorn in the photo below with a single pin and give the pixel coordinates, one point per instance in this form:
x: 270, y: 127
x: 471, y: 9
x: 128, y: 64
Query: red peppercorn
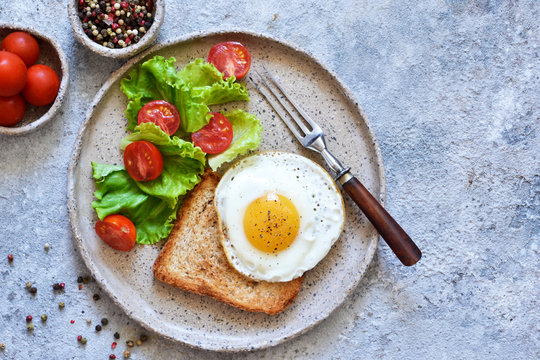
x: 72, y: 321
x: 141, y: 14
x: 79, y: 338
x: 80, y: 286
x: 143, y: 22
x: 62, y: 285
x: 125, y: 4
x: 128, y: 40
x: 10, y: 257
x: 29, y: 318
x: 81, y: 2
x: 113, y: 345
x: 115, y: 26
x: 112, y: 356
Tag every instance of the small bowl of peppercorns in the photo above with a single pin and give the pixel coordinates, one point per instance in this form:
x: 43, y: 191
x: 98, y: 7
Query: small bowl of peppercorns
x: 116, y: 28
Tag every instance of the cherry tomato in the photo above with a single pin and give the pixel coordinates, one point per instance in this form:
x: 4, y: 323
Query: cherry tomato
x: 231, y: 58
x: 161, y: 113
x: 22, y: 44
x: 42, y: 85
x: 214, y: 137
x: 117, y: 231
x: 12, y: 109
x: 143, y: 161
x: 12, y: 74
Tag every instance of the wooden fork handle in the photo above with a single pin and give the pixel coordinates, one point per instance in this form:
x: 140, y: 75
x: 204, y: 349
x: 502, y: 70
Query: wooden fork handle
x: 398, y: 240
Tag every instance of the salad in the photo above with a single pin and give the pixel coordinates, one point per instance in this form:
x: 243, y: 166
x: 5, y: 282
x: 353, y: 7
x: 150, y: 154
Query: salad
x: 174, y: 137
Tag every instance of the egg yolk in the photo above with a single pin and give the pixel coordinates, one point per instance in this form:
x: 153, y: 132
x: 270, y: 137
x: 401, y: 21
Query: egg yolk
x: 271, y: 223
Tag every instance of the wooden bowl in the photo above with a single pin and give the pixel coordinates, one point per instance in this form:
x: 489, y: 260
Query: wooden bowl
x: 146, y: 40
x: 52, y: 55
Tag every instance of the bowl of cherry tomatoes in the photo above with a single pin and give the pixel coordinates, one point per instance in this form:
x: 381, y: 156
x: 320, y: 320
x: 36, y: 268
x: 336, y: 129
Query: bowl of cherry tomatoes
x: 33, y: 79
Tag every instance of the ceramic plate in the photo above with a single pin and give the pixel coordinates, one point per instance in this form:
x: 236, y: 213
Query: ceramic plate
x: 201, y: 321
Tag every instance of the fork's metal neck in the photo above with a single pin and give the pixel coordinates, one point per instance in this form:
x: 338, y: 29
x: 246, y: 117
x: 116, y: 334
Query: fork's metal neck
x: 334, y: 164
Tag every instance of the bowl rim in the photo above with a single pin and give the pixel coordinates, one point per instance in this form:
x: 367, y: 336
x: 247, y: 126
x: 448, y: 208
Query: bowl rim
x: 64, y: 83
x: 128, y: 51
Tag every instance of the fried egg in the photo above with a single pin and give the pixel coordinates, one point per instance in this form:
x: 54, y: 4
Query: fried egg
x: 279, y: 213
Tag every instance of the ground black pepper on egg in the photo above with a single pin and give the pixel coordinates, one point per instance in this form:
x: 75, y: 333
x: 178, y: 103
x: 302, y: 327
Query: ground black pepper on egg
x: 116, y: 23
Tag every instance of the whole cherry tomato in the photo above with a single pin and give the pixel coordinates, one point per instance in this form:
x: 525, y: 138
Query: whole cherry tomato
x: 117, y: 231
x: 12, y: 109
x: 231, y: 58
x: 12, y: 74
x: 161, y: 113
x: 42, y: 85
x: 22, y: 44
x: 143, y: 161
x: 214, y: 137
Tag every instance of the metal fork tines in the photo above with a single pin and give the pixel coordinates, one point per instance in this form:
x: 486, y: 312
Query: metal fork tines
x: 307, y: 131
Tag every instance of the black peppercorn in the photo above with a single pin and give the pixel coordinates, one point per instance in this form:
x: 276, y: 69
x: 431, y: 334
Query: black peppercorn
x: 98, y: 327
x: 33, y: 290
x: 104, y: 321
x: 80, y: 279
x: 96, y: 297
x: 116, y: 335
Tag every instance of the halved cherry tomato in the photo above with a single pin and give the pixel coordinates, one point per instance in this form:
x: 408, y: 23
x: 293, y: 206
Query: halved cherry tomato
x: 231, y: 58
x: 117, y: 231
x: 12, y: 109
x: 161, y: 113
x: 22, y: 44
x: 143, y: 161
x: 214, y: 137
x: 42, y: 85
x: 12, y: 74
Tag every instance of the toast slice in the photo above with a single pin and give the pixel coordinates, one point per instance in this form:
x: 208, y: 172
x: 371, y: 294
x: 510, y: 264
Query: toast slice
x: 193, y: 259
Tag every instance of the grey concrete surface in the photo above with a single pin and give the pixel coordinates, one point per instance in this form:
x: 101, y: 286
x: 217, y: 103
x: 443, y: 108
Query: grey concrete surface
x: 452, y: 90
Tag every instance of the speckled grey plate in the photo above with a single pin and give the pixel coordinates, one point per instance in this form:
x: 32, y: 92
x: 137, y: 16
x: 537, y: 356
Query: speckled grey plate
x: 52, y: 55
x: 201, y: 321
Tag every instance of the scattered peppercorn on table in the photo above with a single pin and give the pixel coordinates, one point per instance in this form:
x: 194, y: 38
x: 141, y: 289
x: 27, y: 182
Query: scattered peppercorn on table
x: 450, y: 90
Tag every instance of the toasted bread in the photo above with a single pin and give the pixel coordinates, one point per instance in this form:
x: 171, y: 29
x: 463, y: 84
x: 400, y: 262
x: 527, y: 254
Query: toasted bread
x: 193, y: 259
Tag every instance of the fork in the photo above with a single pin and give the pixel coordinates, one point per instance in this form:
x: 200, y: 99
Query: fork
x: 311, y: 136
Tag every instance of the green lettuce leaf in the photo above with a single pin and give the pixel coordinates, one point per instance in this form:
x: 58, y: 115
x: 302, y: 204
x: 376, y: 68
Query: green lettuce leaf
x: 247, y: 131
x: 183, y: 163
x: 117, y: 193
x: 191, y: 90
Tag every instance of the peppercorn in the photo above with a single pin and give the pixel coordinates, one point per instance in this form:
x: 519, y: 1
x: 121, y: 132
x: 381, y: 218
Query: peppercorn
x: 46, y: 246
x: 2, y: 346
x: 44, y: 317
x: 130, y: 343
x: 30, y: 327
x: 79, y: 338
x: 88, y: 321
x: 112, y: 356
x: 72, y: 321
x: 80, y: 286
x: 116, y: 335
x: 28, y: 318
x: 139, y: 342
x: 33, y: 290
x: 113, y: 345
x: 10, y: 258
x: 61, y: 304
x: 144, y: 337
x: 96, y: 297
x: 28, y: 285
x: 98, y: 327
x: 83, y: 341
x: 59, y: 286
x: 104, y: 321
x: 127, y: 354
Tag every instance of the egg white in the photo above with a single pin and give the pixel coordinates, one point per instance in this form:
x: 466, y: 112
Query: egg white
x: 310, y: 188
